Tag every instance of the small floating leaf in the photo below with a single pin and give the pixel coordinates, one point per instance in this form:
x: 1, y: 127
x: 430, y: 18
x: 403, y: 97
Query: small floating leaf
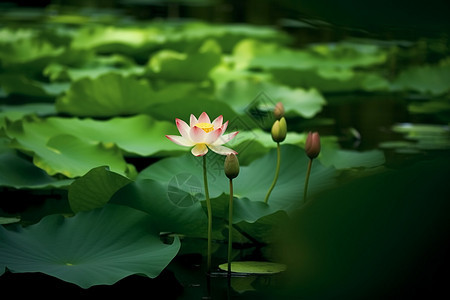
x: 254, y: 267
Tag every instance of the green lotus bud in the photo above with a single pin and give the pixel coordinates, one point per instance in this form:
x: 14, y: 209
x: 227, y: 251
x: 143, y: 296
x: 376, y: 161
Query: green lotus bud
x: 278, y: 111
x: 231, y: 166
x: 312, y: 146
x: 279, y: 130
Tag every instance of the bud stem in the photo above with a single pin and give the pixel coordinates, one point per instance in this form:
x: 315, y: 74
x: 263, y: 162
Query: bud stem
x: 277, y: 171
x: 209, y: 211
x: 230, y: 227
x: 308, y: 172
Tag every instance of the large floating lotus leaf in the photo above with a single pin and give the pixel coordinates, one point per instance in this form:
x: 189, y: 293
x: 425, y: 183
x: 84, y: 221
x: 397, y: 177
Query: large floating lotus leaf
x: 72, y: 157
x: 138, y: 134
x: 190, y: 66
x: 92, y: 248
x: 107, y: 95
x: 94, y: 189
x: 248, y: 95
x: 159, y: 201
x: 113, y: 94
x: 56, y: 151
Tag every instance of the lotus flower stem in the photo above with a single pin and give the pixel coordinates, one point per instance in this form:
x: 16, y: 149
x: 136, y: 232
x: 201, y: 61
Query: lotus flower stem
x: 209, y: 211
x: 308, y: 172
x: 312, y: 149
x: 277, y: 171
x: 230, y: 227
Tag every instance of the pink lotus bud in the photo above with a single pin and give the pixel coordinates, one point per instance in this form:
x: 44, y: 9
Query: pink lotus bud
x: 278, y: 111
x: 312, y: 146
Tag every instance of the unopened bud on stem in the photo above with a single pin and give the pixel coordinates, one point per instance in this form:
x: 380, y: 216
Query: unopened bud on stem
x: 279, y: 130
x: 312, y: 146
x: 278, y: 111
x: 231, y: 166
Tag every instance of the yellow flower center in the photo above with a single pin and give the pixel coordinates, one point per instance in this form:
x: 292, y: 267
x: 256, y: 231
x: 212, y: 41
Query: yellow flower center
x: 207, y: 127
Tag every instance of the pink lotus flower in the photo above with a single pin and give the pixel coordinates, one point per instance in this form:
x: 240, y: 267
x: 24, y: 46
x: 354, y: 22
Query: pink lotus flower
x: 202, y: 134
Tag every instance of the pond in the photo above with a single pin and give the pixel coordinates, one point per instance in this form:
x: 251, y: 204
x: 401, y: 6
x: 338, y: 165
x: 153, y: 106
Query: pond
x: 142, y: 151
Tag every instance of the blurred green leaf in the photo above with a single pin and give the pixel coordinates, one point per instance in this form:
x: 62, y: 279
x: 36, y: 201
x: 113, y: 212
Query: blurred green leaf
x: 139, y: 135
x: 93, y: 67
x: 332, y: 155
x: 107, y: 95
x: 116, y: 39
x: 245, y: 94
x: 372, y: 235
x: 254, y: 267
x: 22, y: 85
x: 426, y: 79
x: 190, y: 66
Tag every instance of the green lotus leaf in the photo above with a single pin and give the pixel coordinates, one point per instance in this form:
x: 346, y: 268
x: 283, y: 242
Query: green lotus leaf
x: 25, y: 47
x: 140, y: 134
x: 17, y: 172
x: 115, y: 39
x: 228, y: 35
x: 332, y: 155
x: 94, y: 189
x: 426, y: 79
x: 253, y: 181
x: 194, y: 104
x: 254, y: 267
x: 97, y: 247
x: 163, y: 206
x: 326, y: 80
x: 21, y: 85
x: 93, y: 67
x: 58, y: 152
x: 113, y: 94
x: 72, y: 156
x: 108, y: 95
x: 190, y: 66
x: 345, y: 55
x: 16, y: 112
x: 248, y: 95
x: 421, y: 137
